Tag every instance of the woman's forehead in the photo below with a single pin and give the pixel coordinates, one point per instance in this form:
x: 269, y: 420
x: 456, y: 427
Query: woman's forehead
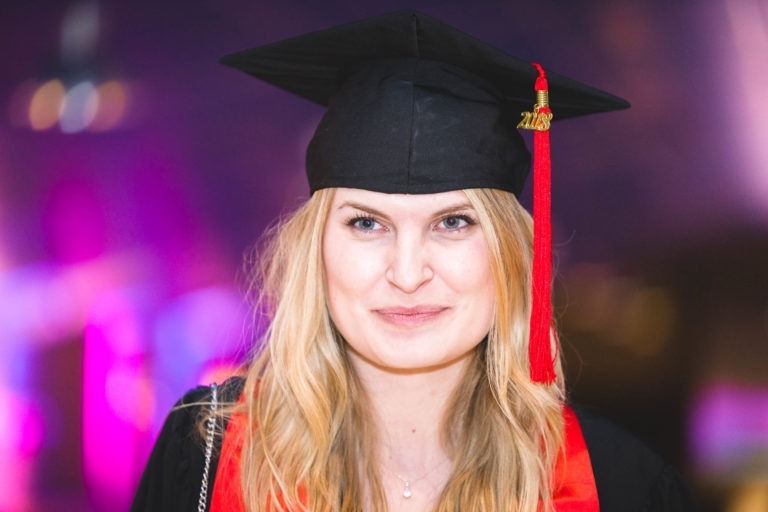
x: 357, y: 198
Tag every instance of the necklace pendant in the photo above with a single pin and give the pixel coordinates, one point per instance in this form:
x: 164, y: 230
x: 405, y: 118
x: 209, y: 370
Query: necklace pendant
x: 407, y: 490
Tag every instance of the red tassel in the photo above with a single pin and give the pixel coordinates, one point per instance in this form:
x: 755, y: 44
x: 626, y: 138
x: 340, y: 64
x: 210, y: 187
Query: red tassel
x: 539, y: 348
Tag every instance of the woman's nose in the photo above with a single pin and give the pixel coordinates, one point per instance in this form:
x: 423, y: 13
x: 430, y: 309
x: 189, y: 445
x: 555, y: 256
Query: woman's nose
x: 409, y: 265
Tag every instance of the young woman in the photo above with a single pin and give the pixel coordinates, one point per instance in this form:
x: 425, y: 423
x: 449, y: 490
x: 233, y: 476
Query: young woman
x: 405, y: 367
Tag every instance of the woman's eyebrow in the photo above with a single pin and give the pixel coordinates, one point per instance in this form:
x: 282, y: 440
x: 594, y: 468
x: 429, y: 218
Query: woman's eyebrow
x: 460, y: 207
x: 367, y: 209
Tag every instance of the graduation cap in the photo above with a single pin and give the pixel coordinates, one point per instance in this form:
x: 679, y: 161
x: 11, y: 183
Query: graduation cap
x: 415, y: 106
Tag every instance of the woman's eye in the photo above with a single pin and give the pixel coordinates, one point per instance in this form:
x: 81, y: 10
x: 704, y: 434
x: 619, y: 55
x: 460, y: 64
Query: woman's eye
x: 455, y: 222
x: 364, y: 223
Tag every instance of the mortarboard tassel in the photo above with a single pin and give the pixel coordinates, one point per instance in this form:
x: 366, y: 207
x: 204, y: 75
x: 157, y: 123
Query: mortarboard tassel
x: 539, y: 346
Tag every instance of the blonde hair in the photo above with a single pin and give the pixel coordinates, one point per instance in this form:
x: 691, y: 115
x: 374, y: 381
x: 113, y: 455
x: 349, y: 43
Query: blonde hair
x: 308, y: 425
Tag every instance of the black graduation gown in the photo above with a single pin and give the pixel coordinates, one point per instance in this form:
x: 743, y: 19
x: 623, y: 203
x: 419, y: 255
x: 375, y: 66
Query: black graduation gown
x: 628, y: 475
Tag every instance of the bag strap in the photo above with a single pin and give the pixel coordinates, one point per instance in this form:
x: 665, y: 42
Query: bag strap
x: 209, y: 434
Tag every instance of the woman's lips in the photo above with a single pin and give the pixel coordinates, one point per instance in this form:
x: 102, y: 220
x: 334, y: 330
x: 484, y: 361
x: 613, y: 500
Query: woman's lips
x: 409, y: 316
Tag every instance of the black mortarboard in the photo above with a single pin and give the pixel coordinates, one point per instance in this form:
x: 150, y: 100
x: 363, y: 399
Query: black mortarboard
x: 414, y: 105
x: 417, y: 107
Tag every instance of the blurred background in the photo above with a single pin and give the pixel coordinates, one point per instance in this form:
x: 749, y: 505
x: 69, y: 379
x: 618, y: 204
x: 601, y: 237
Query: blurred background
x: 135, y: 173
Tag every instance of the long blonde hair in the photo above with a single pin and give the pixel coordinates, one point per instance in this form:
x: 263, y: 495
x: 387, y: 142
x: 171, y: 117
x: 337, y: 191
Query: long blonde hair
x: 308, y: 424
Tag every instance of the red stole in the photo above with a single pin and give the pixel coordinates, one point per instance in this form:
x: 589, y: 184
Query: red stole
x: 575, y: 489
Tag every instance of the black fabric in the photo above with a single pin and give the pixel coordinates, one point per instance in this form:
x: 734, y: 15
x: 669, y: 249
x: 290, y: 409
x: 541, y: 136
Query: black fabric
x: 416, y: 126
x: 173, y: 475
x: 414, y: 106
x: 629, y: 476
x: 315, y: 65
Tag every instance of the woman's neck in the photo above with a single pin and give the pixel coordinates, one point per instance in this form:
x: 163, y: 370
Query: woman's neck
x: 408, y: 408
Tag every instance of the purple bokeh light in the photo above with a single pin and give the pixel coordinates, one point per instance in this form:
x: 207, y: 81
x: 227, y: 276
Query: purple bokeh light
x: 729, y: 430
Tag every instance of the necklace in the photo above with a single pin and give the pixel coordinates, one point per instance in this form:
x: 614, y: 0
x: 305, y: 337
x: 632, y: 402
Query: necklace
x: 407, y: 492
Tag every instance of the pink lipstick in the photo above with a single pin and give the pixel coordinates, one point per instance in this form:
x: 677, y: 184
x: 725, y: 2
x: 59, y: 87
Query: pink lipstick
x: 415, y: 316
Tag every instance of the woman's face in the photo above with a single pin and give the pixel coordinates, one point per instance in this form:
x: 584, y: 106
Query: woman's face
x: 408, y: 277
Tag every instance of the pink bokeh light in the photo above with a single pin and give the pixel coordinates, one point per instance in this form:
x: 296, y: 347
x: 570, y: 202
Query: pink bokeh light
x: 747, y: 85
x: 22, y: 434
x: 728, y: 429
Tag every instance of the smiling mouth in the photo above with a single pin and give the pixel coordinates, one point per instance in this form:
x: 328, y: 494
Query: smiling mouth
x: 410, y: 317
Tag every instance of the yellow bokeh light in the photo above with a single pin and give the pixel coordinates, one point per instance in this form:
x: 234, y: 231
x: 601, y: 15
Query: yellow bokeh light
x: 751, y: 496
x: 45, y: 106
x: 112, y: 102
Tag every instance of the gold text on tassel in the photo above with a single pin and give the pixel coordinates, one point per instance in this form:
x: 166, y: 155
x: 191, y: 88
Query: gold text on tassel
x: 535, y: 120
